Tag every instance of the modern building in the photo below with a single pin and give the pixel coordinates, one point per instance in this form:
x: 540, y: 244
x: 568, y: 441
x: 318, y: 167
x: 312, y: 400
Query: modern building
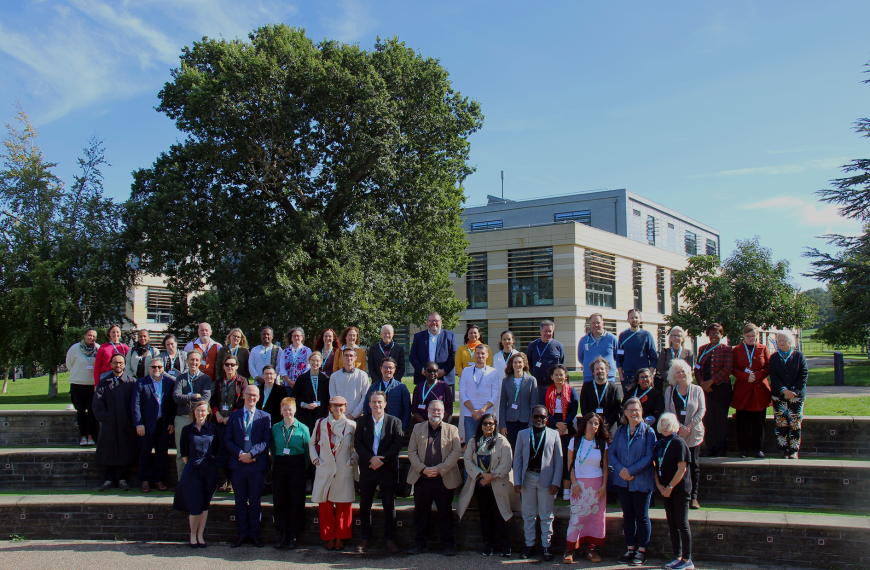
x: 565, y: 257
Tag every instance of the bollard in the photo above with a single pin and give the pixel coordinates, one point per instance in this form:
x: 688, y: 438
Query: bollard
x: 839, y: 372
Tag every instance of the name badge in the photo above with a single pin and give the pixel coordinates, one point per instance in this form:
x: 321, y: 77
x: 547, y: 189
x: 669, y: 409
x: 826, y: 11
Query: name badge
x: 538, y: 364
x: 247, y: 438
x: 682, y: 412
x: 748, y: 370
x: 588, y: 346
x: 599, y: 410
x: 515, y: 406
x: 697, y: 367
x: 89, y: 367
x: 317, y: 403
x: 619, y: 352
x: 421, y: 406
x: 224, y: 408
x: 286, y: 451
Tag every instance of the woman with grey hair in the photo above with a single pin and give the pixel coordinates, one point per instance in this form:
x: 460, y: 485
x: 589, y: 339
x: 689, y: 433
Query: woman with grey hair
x: 685, y: 400
x: 670, y: 460
x: 673, y: 351
x: 788, y: 386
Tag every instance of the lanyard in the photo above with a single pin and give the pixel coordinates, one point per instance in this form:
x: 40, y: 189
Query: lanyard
x: 378, y: 430
x: 622, y: 344
x: 314, y: 382
x: 87, y: 358
x: 326, y: 354
x: 506, y: 356
x: 264, y: 350
x: 227, y: 392
x: 631, y: 438
x: 541, y: 352
x: 517, y: 393
x: 603, y: 392
x: 158, y: 389
x: 295, y: 354
x: 287, y: 438
x: 787, y: 356
x: 675, y: 354
x: 748, y: 355
x: 190, y: 380
x: 592, y: 342
x: 470, y: 352
x: 685, y: 400
x: 248, y: 423
x: 429, y: 391
x: 387, y: 353
x: 703, y: 354
x: 582, y: 460
x: 115, y: 347
x: 384, y: 385
x: 474, y: 376
x: 537, y: 448
x: 662, y: 456
x: 234, y: 351
x: 636, y: 390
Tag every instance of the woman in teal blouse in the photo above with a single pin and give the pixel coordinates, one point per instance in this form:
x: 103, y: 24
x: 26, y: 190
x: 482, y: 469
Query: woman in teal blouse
x: 289, y: 449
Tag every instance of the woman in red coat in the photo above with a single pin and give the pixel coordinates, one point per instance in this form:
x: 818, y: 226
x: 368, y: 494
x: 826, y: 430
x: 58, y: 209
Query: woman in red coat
x: 751, y: 392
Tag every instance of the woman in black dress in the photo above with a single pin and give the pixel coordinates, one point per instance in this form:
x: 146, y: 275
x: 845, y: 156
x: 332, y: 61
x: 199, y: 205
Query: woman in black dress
x: 198, y: 482
x: 670, y: 462
x: 311, y: 393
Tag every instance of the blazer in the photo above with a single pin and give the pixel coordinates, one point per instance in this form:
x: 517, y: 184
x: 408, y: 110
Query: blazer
x: 500, y: 465
x: 376, y: 358
x: 389, y: 447
x: 450, y: 451
x: 445, y: 355
x: 143, y: 408
x: 261, y: 437
x: 696, y: 407
x: 133, y: 359
x: 637, y: 458
x: 665, y: 359
x: 750, y: 396
x: 790, y: 375
x: 334, y: 477
x: 527, y: 398
x: 398, y: 400
x: 568, y: 416
x: 303, y: 391
x: 272, y: 406
x: 611, y: 402
x: 551, y: 461
x: 184, y: 393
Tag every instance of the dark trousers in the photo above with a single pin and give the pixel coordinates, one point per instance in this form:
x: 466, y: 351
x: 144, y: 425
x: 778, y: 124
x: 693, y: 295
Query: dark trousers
x: 158, y: 441
x: 248, y: 490
x: 695, y: 469
x: 367, y: 488
x: 83, y: 400
x: 716, y: 419
x: 750, y: 431
x: 114, y: 473
x: 635, y: 516
x: 427, y: 490
x: 514, y: 431
x: 491, y: 519
x: 288, y: 494
x: 677, y: 511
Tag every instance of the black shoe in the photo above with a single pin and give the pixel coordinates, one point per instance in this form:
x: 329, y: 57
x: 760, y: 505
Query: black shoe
x: 239, y: 541
x: 760, y: 455
x: 742, y: 455
x: 284, y: 542
x: 255, y: 540
x: 292, y: 544
x: 418, y: 550
x: 548, y: 556
x: 529, y: 551
x: 627, y: 557
x: 639, y: 558
x: 487, y: 549
x: 449, y: 551
x: 707, y: 454
x: 506, y: 552
x: 106, y: 486
x: 123, y: 485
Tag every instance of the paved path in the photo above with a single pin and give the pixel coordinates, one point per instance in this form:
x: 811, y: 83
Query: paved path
x: 837, y: 391
x: 828, y: 361
x: 87, y: 555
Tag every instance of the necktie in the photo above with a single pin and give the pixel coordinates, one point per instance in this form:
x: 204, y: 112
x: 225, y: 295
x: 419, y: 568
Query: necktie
x: 248, y: 424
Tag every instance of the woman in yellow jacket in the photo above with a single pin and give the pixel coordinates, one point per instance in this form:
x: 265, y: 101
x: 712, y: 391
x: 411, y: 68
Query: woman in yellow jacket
x: 465, y: 353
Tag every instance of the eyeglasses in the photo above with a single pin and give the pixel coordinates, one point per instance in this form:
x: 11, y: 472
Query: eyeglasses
x: 158, y: 367
x: 489, y: 423
x: 539, y: 417
x: 249, y: 395
x: 430, y: 371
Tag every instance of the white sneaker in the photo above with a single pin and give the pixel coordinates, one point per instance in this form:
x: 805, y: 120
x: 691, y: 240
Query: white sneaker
x: 90, y: 440
x: 673, y: 563
x: 83, y: 441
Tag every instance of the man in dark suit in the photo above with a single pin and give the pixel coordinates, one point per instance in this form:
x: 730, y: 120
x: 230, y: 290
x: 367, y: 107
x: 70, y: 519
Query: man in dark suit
x: 378, y: 441
x: 153, y: 414
x: 271, y: 393
x: 249, y: 432
x: 435, y: 345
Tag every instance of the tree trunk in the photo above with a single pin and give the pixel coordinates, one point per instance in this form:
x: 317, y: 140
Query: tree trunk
x: 6, y: 378
x: 52, y: 382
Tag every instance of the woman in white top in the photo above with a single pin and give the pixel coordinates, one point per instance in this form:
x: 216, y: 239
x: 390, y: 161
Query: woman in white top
x: 587, y: 456
x: 506, y: 350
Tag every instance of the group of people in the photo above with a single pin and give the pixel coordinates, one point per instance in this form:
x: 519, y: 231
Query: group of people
x: 316, y: 420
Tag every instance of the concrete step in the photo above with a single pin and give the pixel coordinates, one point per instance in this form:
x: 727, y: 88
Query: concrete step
x: 815, y: 541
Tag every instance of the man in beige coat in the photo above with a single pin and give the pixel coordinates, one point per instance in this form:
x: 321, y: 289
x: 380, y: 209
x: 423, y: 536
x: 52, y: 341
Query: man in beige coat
x: 434, y: 451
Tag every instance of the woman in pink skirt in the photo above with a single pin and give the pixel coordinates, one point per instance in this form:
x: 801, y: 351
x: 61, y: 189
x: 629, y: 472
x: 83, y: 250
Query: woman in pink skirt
x: 587, y: 457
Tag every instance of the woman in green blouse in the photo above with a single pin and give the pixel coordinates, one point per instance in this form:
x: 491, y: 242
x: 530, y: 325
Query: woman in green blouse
x: 290, y: 460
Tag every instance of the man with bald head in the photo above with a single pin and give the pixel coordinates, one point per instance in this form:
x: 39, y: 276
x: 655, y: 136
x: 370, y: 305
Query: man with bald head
x: 387, y: 347
x: 207, y: 347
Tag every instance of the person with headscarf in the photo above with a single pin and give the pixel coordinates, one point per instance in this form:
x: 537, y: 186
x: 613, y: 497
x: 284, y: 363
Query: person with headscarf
x: 562, y: 404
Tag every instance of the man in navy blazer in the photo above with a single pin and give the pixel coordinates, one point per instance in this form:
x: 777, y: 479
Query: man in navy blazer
x: 153, y: 414
x: 434, y: 345
x: 249, y: 432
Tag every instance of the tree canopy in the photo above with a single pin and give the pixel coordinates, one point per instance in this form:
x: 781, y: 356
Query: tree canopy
x: 319, y: 185
x: 748, y: 287
x: 60, y: 267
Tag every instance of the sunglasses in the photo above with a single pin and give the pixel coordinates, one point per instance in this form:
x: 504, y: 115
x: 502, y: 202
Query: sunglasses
x: 488, y: 423
x: 430, y: 371
x: 539, y: 417
x: 156, y: 367
x: 230, y: 365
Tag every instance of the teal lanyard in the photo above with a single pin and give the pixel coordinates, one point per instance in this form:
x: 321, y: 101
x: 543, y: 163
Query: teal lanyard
x: 706, y: 352
x: 536, y: 448
x: 603, y: 392
x: 631, y: 438
x: 622, y: 344
x: 748, y: 355
x: 517, y: 393
x: 429, y: 391
x: 588, y: 450
x: 636, y: 390
x: 662, y: 456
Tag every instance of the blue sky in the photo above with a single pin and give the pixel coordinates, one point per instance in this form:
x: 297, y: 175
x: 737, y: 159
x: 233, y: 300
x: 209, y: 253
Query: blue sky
x: 733, y: 114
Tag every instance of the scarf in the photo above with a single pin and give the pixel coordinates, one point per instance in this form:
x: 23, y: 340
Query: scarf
x: 89, y: 351
x: 336, y: 428
x: 472, y: 344
x: 486, y: 445
x: 550, y: 399
x: 784, y: 354
x: 140, y: 349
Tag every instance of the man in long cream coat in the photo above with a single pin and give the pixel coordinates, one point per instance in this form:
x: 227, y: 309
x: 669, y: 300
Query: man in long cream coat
x: 434, y: 451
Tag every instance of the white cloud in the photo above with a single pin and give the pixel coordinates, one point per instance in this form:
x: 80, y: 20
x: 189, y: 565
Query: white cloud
x: 809, y: 214
x: 354, y: 21
x: 816, y: 164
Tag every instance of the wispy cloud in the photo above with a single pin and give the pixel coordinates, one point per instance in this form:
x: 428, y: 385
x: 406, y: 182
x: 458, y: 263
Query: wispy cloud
x: 353, y: 21
x: 817, y: 164
x: 808, y: 214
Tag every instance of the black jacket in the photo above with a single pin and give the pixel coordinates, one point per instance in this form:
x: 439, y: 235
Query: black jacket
x: 272, y: 406
x: 303, y: 391
x: 376, y: 358
x: 611, y: 402
x: 790, y: 375
x: 389, y: 446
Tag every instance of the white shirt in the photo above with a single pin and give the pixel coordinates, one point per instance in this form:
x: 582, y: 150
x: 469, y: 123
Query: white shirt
x: 352, y: 386
x: 499, y: 363
x: 478, y: 386
x: 379, y: 429
x: 257, y: 360
x: 591, y: 467
x: 188, y: 348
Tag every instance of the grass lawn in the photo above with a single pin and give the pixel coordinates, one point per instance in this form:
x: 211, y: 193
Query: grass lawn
x: 856, y: 374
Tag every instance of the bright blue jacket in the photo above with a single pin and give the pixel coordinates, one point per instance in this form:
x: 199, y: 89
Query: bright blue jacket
x: 637, y: 458
x: 588, y: 350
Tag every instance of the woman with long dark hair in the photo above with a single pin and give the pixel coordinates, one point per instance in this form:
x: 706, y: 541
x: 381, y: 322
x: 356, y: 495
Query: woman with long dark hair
x: 349, y: 338
x: 562, y: 404
x: 327, y: 345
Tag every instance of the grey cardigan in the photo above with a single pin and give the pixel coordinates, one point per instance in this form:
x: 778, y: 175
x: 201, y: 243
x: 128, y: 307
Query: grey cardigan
x: 696, y: 407
x: 551, y: 462
x: 526, y: 399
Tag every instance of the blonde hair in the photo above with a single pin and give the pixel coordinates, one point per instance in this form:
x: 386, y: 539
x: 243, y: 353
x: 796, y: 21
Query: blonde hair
x: 243, y: 342
x: 670, y: 420
x: 288, y: 402
x: 678, y: 364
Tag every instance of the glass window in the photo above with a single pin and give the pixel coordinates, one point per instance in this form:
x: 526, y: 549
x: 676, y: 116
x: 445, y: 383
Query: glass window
x: 583, y: 216
x: 483, y: 226
x: 530, y: 277
x: 660, y: 289
x: 662, y: 334
x: 402, y: 337
x: 475, y: 281
x: 636, y: 212
x: 675, y: 299
x: 600, y: 279
x: 525, y: 331
x: 712, y: 248
x: 159, y: 305
x: 651, y: 230
x: 691, y: 244
x: 637, y: 282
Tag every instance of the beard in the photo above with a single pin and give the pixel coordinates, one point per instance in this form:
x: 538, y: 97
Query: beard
x: 434, y: 420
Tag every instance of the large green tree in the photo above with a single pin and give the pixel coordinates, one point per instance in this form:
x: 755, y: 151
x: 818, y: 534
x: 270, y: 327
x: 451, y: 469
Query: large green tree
x: 748, y: 287
x: 319, y: 185
x: 60, y: 266
x: 848, y: 270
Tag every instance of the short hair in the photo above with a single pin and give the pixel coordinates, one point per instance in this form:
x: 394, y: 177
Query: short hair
x: 627, y: 403
x: 390, y: 359
x: 426, y: 367
x: 667, y: 421
x: 269, y: 367
x: 635, y: 310
x: 593, y: 315
x: 679, y: 364
x: 547, y: 323
x: 509, y: 365
x: 288, y: 338
x: 600, y: 359
x: 504, y: 332
x: 267, y: 328
x: 124, y: 358
x: 436, y: 313
x: 348, y: 349
x: 380, y: 393
x: 465, y: 338
x: 167, y: 337
x: 140, y: 331
x: 254, y: 386
x: 203, y: 324
x: 317, y: 352
x: 109, y: 330
x: 243, y: 341
x: 788, y: 336
x: 714, y: 327
x: 89, y: 329
x: 288, y: 402
x: 230, y: 357
x: 388, y: 326
x: 483, y: 346
x: 678, y: 330
x: 199, y: 404
x: 434, y: 402
x: 193, y: 353
x: 541, y: 406
x: 750, y: 327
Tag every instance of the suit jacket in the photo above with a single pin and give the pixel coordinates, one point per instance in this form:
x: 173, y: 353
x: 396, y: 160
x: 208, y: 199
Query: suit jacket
x: 272, y: 406
x: 389, y: 447
x: 611, y: 402
x: 261, y: 436
x: 445, y: 355
x: 506, y: 498
x: 526, y: 399
x: 551, y: 462
x: 144, y: 404
x: 451, y: 450
x: 791, y: 374
x: 696, y: 407
x: 376, y: 358
x: 750, y: 396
